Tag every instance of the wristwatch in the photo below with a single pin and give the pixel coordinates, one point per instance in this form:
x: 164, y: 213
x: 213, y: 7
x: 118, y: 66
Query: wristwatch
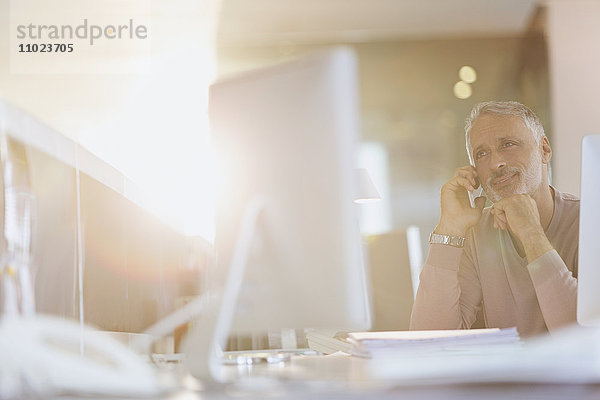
x: 455, y: 241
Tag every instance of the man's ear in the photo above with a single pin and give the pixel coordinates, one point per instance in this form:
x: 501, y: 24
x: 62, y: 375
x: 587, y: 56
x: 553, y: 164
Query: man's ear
x: 546, y: 150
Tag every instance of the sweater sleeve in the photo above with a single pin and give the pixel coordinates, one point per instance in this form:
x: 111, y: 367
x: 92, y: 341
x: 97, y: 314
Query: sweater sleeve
x: 449, y: 293
x: 555, y: 288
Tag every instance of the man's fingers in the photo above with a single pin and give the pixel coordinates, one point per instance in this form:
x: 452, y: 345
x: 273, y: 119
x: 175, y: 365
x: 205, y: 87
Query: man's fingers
x: 499, y: 216
x: 466, y: 174
x: 502, y: 217
x: 464, y: 182
x: 469, y: 173
x: 498, y: 206
x: 498, y: 223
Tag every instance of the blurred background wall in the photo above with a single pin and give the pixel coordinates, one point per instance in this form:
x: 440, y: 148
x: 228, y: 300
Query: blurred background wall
x: 407, y: 78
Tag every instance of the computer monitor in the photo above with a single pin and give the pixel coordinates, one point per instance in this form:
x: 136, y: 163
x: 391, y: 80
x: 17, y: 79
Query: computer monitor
x: 588, y: 295
x: 287, y: 237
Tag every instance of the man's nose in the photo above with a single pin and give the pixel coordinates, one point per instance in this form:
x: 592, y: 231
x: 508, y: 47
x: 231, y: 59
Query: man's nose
x: 497, y: 161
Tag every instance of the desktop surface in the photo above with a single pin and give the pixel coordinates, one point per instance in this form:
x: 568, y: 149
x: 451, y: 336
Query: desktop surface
x: 341, y: 376
x: 347, y: 377
x: 446, y: 392
x: 562, y: 366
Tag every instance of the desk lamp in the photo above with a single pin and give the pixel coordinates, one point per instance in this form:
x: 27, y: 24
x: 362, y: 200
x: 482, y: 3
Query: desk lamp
x: 366, y: 192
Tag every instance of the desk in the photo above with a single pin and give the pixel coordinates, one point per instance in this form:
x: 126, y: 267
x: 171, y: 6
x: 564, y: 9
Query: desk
x: 350, y: 378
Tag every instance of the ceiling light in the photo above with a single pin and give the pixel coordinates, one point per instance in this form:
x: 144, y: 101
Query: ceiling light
x: 467, y: 74
x: 462, y: 90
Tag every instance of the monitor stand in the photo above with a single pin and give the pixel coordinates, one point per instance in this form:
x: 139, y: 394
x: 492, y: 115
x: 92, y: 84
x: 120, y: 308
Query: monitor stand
x: 205, y: 342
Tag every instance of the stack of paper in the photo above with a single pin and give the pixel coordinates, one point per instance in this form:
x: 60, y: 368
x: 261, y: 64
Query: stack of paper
x: 571, y: 355
x: 371, y: 344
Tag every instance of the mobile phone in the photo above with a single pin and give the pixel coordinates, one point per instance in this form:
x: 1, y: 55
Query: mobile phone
x: 475, y: 194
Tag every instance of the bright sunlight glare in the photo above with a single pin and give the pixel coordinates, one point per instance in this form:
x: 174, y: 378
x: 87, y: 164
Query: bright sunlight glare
x: 161, y: 141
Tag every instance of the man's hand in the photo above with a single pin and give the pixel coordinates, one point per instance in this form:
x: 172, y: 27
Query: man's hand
x: 519, y: 214
x: 457, y: 214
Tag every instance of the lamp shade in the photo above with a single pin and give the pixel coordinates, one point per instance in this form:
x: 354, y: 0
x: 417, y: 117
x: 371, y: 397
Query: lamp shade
x: 365, y: 189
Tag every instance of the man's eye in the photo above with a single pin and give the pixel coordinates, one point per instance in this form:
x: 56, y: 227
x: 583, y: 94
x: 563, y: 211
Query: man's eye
x: 480, y: 154
x: 508, y: 144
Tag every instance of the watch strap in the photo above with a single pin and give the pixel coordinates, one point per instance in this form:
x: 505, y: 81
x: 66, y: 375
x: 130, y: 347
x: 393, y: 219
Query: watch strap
x: 450, y: 240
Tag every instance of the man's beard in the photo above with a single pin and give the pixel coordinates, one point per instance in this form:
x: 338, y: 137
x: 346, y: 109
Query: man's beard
x: 527, y: 180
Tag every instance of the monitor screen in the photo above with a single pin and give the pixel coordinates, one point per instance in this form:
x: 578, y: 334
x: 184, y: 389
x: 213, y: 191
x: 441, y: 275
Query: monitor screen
x: 287, y: 134
x: 287, y: 242
x: 588, y: 295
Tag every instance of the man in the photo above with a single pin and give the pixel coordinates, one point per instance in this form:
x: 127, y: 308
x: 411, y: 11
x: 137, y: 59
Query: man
x: 516, y: 261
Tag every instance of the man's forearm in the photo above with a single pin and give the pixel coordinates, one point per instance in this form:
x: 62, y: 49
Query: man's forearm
x: 555, y: 288
x: 535, y: 245
x: 438, y: 302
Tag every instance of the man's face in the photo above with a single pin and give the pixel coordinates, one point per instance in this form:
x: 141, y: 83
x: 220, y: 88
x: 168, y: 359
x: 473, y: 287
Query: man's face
x: 507, y: 158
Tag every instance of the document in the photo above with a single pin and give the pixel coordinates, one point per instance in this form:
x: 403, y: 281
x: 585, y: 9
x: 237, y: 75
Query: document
x: 571, y: 355
x: 372, y: 344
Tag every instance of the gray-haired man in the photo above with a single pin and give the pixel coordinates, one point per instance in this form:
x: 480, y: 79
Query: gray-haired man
x: 516, y: 260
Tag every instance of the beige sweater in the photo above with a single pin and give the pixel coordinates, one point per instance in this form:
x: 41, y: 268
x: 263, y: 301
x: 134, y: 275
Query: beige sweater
x: 488, y: 272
